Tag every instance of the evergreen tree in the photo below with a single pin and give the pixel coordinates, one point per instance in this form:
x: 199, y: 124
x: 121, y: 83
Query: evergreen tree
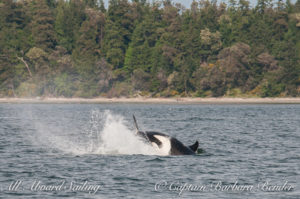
x: 69, y: 17
x: 42, y: 25
x: 88, y: 44
x: 140, y: 49
x: 121, y: 20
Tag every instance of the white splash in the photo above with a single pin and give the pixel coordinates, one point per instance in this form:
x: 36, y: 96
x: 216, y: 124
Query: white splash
x: 107, y: 134
x: 117, y: 138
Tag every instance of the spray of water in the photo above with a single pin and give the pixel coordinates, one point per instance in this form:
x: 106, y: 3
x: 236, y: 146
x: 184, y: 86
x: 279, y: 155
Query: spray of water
x: 106, y: 133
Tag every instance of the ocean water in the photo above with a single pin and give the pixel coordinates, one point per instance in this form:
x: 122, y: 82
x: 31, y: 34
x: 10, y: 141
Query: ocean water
x: 91, y: 151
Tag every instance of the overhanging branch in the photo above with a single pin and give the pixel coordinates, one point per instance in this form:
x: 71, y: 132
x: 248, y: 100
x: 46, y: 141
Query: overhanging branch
x: 21, y: 58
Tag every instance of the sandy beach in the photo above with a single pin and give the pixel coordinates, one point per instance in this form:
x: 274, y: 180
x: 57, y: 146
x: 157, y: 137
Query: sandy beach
x: 156, y: 100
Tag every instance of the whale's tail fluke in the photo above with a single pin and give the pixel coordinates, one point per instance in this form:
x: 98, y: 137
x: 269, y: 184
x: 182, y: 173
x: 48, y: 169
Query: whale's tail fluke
x: 195, y: 146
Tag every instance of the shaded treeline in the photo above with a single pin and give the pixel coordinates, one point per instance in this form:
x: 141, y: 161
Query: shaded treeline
x: 80, y: 48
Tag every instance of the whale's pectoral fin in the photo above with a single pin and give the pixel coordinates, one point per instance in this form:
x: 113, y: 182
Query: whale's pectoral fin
x: 135, y: 123
x: 195, y: 146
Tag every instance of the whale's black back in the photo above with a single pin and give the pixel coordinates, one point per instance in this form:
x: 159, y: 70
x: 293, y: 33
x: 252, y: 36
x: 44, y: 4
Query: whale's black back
x: 177, y: 147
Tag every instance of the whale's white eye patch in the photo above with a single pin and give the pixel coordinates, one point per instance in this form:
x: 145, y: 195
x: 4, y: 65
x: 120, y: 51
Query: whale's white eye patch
x: 165, y: 146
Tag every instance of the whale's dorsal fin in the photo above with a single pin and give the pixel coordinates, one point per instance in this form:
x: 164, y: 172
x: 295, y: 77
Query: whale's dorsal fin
x: 195, y: 146
x: 135, y: 123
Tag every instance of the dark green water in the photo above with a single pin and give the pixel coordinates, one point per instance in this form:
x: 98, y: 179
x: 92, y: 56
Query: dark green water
x: 90, y: 151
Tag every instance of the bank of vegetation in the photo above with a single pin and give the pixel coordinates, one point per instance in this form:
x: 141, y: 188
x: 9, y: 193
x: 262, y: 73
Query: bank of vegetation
x: 80, y: 48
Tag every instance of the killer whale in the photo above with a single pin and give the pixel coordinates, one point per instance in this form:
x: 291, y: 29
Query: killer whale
x: 166, y: 144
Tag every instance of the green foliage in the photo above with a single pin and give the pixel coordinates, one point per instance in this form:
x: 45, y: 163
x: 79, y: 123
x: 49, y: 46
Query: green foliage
x: 90, y: 35
x: 79, y: 48
x: 69, y: 17
x: 63, y: 85
x: 42, y: 25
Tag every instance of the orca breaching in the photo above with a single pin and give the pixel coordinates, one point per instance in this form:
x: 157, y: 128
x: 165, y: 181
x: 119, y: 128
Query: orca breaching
x: 166, y: 144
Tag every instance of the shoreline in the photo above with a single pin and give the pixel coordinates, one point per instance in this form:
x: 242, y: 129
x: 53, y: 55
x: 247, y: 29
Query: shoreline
x: 144, y: 100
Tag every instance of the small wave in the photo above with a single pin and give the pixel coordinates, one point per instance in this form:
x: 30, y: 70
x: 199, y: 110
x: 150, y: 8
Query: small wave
x: 155, y: 160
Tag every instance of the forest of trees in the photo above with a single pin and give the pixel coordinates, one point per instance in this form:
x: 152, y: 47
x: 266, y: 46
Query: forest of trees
x: 80, y: 48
